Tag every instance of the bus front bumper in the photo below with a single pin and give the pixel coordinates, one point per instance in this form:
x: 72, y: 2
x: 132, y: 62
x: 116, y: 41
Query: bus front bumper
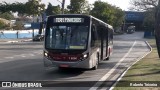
x: 77, y: 64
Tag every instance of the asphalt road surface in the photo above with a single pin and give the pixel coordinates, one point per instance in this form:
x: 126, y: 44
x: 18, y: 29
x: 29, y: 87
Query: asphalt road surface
x: 23, y: 61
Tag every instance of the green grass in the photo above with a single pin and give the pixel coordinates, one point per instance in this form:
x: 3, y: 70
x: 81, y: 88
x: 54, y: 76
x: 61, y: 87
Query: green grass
x: 147, y: 69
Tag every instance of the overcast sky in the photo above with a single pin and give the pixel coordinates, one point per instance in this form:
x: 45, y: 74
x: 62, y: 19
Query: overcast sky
x: 123, y: 4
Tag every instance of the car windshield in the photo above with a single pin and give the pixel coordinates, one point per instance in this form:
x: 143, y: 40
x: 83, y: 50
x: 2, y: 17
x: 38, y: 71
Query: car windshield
x: 67, y: 37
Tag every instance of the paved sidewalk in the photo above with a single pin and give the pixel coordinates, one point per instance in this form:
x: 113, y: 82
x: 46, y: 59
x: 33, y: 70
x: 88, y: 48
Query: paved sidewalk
x: 16, y: 40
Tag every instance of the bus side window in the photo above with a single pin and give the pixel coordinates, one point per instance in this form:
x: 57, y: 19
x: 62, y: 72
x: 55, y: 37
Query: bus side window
x: 93, y: 36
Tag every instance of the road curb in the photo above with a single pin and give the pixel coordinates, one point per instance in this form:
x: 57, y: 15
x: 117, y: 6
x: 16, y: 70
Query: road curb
x: 27, y: 40
x: 120, y: 77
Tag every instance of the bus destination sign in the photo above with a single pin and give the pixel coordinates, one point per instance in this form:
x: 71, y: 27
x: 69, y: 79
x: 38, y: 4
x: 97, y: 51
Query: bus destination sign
x: 68, y: 20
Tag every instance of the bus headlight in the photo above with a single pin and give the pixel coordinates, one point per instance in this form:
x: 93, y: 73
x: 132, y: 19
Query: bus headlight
x: 85, y: 55
x: 45, y: 54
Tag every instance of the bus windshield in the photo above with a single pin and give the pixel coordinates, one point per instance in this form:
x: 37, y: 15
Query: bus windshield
x: 67, y: 37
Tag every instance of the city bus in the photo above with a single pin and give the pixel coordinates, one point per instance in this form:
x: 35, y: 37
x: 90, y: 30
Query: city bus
x: 76, y: 41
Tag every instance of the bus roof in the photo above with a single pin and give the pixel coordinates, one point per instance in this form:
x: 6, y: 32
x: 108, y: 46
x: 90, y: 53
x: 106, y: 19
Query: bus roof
x: 109, y: 26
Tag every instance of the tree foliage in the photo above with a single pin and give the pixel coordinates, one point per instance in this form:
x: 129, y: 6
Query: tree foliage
x: 79, y: 7
x: 149, y: 7
x: 108, y: 13
x: 119, y: 17
x: 102, y: 10
x: 152, y: 18
x: 2, y: 24
x: 149, y: 19
x: 143, y: 5
x: 49, y: 10
x: 56, y: 9
x: 6, y: 15
x: 18, y: 26
x: 52, y: 10
x: 32, y: 7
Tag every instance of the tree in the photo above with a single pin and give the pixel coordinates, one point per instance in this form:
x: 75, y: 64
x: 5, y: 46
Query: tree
x: 143, y: 5
x: 52, y: 10
x: 14, y: 7
x: 49, y: 10
x: 119, y: 17
x: 157, y: 27
x: 152, y: 6
x: 4, y: 7
x: 149, y: 19
x: 102, y: 11
x: 149, y: 7
x: 108, y: 13
x: 86, y: 8
x: 34, y: 7
x: 6, y: 15
x: 18, y: 26
x: 21, y: 8
x: 79, y: 6
x: 56, y: 9
x: 2, y: 24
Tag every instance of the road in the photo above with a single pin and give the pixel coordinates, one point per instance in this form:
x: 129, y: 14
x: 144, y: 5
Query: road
x: 23, y: 61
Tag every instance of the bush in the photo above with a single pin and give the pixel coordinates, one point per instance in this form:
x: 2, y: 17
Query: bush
x: 18, y: 26
x: 6, y: 15
x: 2, y: 25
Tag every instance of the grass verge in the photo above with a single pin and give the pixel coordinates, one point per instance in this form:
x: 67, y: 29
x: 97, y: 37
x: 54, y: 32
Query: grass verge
x: 147, y: 70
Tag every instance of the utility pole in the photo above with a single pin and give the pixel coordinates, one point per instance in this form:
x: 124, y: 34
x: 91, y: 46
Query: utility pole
x: 157, y: 27
x: 63, y: 4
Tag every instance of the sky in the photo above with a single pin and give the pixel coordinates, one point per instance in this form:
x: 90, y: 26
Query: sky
x: 123, y: 4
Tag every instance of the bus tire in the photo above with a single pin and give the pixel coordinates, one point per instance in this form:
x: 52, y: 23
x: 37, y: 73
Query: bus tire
x: 107, y: 58
x: 108, y: 55
x: 97, y: 62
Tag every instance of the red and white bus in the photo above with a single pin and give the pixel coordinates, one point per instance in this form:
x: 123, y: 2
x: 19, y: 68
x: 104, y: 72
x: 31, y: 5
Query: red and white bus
x: 76, y: 41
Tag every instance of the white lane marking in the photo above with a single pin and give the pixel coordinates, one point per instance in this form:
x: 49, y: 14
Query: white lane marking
x: 31, y: 54
x: 17, y: 55
x: 40, y: 52
x: 9, y: 57
x: 36, y: 52
x: 131, y: 66
x: 23, y: 56
x: 100, y: 82
x: 12, y: 41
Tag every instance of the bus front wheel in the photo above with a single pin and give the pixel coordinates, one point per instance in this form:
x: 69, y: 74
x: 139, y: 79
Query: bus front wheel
x: 97, y: 62
x: 108, y: 55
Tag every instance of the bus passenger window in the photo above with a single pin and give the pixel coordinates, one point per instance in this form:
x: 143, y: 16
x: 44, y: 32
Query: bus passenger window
x: 93, y: 36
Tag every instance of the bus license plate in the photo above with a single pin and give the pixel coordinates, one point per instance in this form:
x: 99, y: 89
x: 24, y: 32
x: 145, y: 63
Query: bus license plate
x: 65, y: 66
